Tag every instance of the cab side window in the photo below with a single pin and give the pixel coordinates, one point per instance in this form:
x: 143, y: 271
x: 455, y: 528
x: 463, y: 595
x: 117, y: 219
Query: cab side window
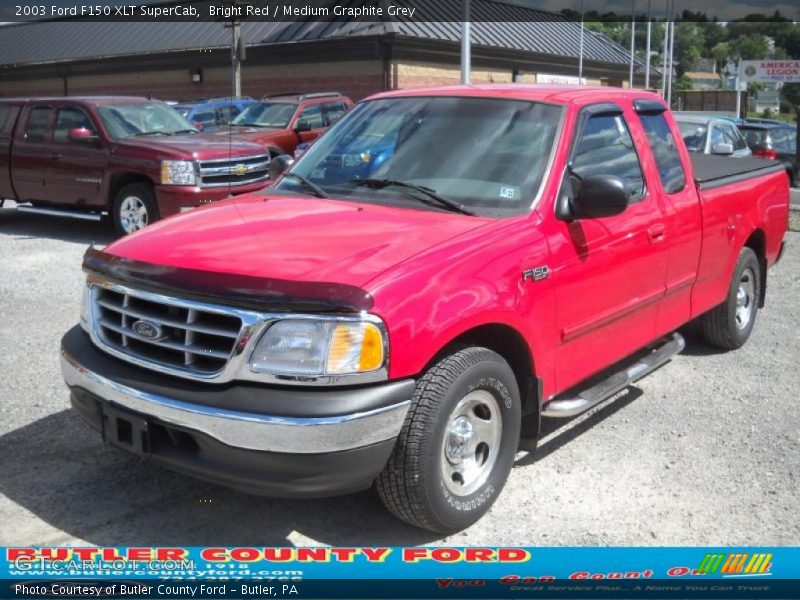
x: 334, y: 111
x: 665, y: 152
x: 313, y: 116
x: 606, y: 148
x: 69, y: 118
x: 38, y: 122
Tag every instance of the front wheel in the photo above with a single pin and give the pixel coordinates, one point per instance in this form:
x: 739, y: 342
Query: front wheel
x: 729, y: 325
x: 134, y: 208
x: 457, y: 445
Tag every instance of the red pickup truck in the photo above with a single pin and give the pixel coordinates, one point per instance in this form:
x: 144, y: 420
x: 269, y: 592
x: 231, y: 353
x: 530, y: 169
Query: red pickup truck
x: 280, y: 122
x: 437, y: 273
x: 135, y: 159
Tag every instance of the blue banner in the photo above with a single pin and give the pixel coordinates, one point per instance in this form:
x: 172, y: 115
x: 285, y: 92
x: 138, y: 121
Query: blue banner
x: 395, y: 572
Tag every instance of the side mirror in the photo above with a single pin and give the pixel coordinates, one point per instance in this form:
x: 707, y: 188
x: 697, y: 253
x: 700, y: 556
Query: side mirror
x: 302, y: 125
x: 599, y: 196
x: 198, y: 125
x: 81, y: 135
x: 279, y: 165
x: 725, y: 148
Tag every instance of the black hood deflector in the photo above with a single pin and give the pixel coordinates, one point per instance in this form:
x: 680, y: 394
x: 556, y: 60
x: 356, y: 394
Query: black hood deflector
x: 241, y: 291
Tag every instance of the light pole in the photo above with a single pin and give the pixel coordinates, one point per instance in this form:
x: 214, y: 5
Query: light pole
x: 649, y: 31
x: 580, y: 51
x: 633, y: 42
x: 466, y: 58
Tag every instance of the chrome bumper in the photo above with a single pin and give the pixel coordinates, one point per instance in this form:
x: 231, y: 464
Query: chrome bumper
x: 249, y: 431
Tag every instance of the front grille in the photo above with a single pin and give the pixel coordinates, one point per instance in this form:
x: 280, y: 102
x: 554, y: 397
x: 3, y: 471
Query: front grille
x: 234, y: 171
x: 198, y: 341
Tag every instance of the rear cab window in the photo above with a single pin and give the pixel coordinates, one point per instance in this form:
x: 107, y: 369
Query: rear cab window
x: 665, y: 151
x: 38, y: 123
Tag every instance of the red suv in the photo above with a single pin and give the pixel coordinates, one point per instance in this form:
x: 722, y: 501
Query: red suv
x: 280, y: 122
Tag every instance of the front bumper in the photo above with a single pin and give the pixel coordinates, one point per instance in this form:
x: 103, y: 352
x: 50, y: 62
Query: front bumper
x: 172, y: 198
x: 240, y: 435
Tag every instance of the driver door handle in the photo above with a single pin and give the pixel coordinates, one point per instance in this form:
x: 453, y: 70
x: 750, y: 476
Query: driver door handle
x: 657, y: 233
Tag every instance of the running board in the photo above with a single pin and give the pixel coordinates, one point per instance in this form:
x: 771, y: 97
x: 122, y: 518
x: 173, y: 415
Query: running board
x: 586, y: 399
x: 60, y: 212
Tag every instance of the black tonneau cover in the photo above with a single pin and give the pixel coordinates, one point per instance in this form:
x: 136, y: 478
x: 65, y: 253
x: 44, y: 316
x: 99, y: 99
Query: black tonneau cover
x: 712, y: 170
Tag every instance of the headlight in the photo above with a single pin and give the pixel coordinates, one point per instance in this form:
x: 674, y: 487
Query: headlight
x: 177, y: 172
x: 85, y: 302
x: 317, y: 347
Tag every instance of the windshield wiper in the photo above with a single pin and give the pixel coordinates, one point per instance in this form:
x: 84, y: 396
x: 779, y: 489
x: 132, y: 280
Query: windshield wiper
x: 449, y: 204
x: 180, y: 131
x: 308, y: 184
x: 141, y: 133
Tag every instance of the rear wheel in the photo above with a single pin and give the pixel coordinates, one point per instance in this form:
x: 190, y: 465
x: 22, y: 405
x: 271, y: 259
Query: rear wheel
x: 134, y: 208
x: 729, y: 325
x: 457, y: 445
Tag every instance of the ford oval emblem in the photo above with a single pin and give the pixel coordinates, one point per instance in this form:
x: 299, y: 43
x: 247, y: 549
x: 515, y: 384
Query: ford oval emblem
x: 147, y: 330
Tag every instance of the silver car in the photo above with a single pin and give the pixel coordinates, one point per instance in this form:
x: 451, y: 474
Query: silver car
x: 712, y: 135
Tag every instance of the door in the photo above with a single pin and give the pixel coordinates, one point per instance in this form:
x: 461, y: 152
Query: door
x: 75, y: 174
x: 609, y: 272
x: 8, y: 117
x: 313, y: 115
x: 31, y: 153
x: 682, y: 216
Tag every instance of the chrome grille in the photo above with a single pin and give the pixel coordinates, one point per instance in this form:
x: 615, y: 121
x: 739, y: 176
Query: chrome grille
x: 197, y: 341
x: 234, y: 171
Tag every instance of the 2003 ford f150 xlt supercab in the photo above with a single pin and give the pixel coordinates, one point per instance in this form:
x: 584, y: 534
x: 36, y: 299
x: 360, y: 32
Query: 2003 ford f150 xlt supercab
x: 440, y: 270
x: 134, y: 159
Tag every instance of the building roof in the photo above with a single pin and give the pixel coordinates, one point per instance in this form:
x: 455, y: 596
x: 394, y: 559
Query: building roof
x: 503, y: 26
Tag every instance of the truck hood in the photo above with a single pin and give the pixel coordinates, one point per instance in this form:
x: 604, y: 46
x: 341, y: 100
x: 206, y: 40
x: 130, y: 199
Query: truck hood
x: 293, y: 238
x: 252, y: 134
x: 198, y: 146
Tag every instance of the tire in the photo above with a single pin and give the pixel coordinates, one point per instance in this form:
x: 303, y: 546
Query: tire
x: 729, y: 325
x: 134, y: 208
x: 427, y: 482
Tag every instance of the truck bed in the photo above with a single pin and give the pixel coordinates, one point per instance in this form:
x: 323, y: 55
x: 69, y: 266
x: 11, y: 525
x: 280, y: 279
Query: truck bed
x: 712, y: 171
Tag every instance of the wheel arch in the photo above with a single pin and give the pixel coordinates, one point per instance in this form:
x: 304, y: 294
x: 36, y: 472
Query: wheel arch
x: 120, y: 180
x: 509, y: 343
x: 757, y: 242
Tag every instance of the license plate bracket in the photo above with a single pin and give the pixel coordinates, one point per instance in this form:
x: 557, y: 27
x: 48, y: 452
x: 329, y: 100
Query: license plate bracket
x: 126, y: 430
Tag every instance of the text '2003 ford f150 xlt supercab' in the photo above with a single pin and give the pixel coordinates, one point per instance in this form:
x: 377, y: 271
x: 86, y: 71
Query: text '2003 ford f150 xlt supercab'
x: 136, y: 160
x: 440, y: 270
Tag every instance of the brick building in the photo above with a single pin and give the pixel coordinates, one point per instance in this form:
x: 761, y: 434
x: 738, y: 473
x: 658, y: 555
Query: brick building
x: 176, y: 61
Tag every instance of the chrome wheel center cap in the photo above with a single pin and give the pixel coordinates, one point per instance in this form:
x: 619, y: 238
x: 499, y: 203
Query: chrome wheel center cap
x: 459, y: 436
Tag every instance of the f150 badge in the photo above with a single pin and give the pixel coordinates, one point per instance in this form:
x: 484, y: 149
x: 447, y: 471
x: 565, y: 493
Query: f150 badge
x: 536, y: 273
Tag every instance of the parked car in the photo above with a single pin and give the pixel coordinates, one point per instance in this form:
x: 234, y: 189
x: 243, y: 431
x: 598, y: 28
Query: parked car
x: 408, y: 326
x: 712, y: 135
x: 282, y: 121
x: 775, y: 142
x: 207, y: 115
x: 134, y: 159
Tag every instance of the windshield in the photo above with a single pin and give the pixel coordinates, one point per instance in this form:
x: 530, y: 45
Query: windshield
x: 694, y: 135
x: 266, y: 114
x: 142, y: 118
x: 490, y: 155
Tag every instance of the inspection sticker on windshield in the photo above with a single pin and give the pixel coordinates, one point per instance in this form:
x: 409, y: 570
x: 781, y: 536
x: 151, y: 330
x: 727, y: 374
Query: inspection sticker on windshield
x: 507, y: 192
x: 318, y: 173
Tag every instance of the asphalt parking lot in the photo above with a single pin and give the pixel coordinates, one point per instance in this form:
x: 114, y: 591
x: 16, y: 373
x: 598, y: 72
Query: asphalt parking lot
x: 702, y: 452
